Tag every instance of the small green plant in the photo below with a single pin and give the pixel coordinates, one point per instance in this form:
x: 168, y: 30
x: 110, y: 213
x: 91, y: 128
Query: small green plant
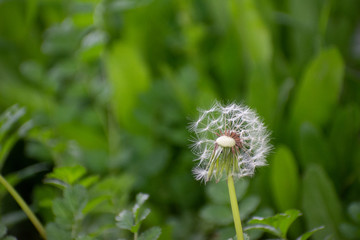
x: 87, y: 206
x: 131, y: 220
x: 279, y: 224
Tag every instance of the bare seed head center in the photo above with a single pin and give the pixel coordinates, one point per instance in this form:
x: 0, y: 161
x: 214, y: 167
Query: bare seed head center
x: 225, y: 141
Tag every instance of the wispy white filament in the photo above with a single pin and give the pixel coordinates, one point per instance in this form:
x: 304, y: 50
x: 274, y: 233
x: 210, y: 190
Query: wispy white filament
x: 211, y: 145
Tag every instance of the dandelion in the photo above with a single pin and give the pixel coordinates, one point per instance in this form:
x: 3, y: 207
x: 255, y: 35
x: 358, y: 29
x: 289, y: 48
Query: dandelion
x: 230, y: 140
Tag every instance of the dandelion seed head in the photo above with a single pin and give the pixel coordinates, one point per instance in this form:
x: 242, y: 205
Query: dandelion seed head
x: 228, y: 139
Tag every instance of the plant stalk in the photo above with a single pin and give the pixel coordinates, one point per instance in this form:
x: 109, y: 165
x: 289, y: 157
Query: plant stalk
x: 235, y: 208
x: 35, y: 221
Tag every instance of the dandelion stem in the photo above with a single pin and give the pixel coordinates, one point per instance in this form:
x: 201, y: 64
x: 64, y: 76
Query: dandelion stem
x: 235, y: 208
x: 23, y: 206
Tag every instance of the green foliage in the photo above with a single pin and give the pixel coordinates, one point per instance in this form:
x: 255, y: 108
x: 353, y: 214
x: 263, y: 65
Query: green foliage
x: 319, y: 89
x: 218, y: 211
x: 87, y: 206
x: 11, y: 129
x: 131, y: 220
x: 283, y: 166
x: 320, y: 203
x: 279, y: 224
x: 110, y: 86
x: 351, y: 229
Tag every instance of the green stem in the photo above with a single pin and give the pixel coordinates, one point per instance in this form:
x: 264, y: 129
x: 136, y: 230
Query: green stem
x: 235, y: 208
x: 23, y: 206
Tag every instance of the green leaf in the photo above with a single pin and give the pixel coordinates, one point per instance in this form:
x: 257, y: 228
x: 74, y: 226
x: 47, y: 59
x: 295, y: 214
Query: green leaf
x: 218, y: 214
x: 354, y: 211
x: 68, y: 175
x: 94, y: 202
x: 248, y: 205
x: 54, y: 231
x: 69, y: 209
x: 343, y: 139
x: 9, y: 118
x: 219, y: 193
x: 89, y: 181
x: 319, y: 89
x: 140, y: 199
x: 264, y: 227
x: 143, y: 215
x: 11, y: 130
x: 313, y: 147
x: 320, y: 203
x: 309, y: 233
x: 252, y: 31
x: 128, y: 76
x: 278, y: 224
x: 92, y: 45
x: 284, y: 179
x: 139, y: 218
x: 151, y: 234
x: 125, y: 220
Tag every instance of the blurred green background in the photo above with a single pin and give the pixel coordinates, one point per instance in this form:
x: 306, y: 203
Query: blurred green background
x: 112, y: 85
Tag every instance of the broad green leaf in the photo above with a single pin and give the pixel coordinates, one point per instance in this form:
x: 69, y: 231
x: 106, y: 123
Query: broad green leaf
x: 129, y: 77
x: 151, y: 234
x: 278, y: 224
x: 125, y: 220
x: 304, y: 20
x: 219, y: 193
x: 320, y: 203
x: 314, y: 148
x: 284, y: 179
x: 354, y: 211
x: 252, y: 31
x: 309, y: 233
x: 248, y: 205
x: 343, y: 138
x: 68, y: 175
x: 262, y: 93
x: 318, y: 90
x: 218, y: 214
x: 257, y: 45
